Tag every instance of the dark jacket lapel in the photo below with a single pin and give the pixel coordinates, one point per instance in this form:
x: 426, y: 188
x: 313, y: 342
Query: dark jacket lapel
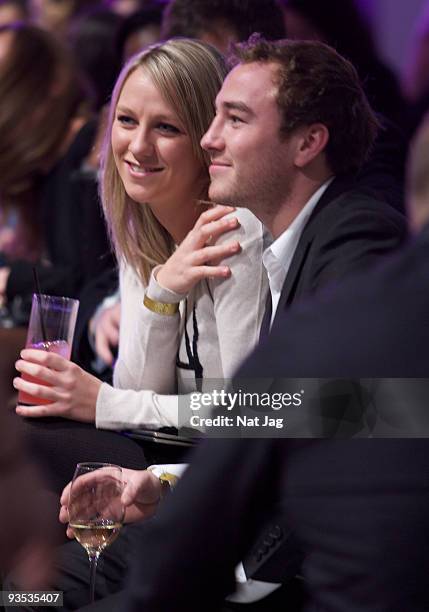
x: 335, y: 189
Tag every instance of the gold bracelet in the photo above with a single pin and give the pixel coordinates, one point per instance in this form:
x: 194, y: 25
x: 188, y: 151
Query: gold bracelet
x: 160, y: 307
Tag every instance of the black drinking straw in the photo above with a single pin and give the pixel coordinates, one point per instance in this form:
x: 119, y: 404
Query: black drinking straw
x: 38, y: 298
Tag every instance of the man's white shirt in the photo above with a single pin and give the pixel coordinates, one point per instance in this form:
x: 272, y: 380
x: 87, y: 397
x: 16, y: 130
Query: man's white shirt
x: 278, y: 256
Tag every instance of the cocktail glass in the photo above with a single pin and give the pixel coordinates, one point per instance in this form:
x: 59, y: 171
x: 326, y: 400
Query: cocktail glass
x: 51, y: 328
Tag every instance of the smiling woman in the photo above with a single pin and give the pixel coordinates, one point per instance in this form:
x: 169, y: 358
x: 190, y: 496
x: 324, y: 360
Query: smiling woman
x: 187, y: 319
x: 154, y: 157
x: 162, y: 104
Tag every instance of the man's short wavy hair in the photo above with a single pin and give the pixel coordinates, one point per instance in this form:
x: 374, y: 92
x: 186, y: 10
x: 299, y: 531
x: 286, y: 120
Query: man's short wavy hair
x: 317, y: 85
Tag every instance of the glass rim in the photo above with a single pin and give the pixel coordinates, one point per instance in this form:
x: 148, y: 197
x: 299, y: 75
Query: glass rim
x: 63, y: 298
x: 97, y: 464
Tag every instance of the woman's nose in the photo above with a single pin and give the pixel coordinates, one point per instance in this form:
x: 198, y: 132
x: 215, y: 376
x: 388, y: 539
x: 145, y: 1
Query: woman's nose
x: 141, y: 145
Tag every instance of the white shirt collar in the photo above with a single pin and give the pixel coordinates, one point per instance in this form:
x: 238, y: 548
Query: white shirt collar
x: 278, y: 256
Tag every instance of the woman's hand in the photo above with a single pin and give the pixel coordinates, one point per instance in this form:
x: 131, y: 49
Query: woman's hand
x: 71, y: 391
x: 140, y: 497
x: 191, y: 261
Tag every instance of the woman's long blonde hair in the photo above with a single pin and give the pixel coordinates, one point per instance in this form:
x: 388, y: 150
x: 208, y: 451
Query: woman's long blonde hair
x: 188, y: 75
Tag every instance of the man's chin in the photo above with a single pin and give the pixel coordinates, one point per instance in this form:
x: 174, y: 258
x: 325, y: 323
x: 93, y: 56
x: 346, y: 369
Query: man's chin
x: 220, y: 196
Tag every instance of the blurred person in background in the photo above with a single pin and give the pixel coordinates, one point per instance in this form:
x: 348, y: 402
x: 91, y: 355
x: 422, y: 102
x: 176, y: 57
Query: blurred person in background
x: 126, y: 8
x: 415, y: 78
x: 49, y: 208
x: 139, y: 30
x: 13, y: 10
x: 56, y: 15
x: 92, y: 37
x: 220, y: 22
x: 341, y: 24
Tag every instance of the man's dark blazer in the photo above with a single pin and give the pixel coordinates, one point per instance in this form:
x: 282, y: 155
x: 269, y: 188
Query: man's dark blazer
x: 375, y: 325
x: 348, y: 231
x: 348, y: 234
x: 359, y: 509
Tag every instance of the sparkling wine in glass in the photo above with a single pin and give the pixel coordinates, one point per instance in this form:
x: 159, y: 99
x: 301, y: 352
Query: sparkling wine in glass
x: 95, y: 510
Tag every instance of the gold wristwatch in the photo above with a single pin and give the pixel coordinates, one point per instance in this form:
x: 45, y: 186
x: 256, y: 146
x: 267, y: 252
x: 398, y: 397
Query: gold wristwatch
x: 168, y: 482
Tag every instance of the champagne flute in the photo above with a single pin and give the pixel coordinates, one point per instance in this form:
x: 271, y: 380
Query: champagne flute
x: 95, y: 510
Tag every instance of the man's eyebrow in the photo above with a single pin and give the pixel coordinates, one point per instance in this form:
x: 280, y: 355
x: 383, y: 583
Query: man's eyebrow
x: 238, y: 106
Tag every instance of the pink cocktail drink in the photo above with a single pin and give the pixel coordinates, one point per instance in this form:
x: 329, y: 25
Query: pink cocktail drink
x: 51, y: 328
x: 59, y: 347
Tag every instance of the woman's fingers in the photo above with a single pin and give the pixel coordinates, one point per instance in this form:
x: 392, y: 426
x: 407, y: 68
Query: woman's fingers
x: 212, y: 272
x: 42, y: 391
x: 50, y: 360
x: 212, y: 214
x: 215, y: 254
x: 38, y: 371
x: 185, y: 266
x: 210, y: 232
x: 39, y: 411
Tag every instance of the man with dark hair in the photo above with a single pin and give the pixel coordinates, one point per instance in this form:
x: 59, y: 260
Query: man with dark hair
x: 292, y: 128
x: 221, y: 22
x: 316, y: 85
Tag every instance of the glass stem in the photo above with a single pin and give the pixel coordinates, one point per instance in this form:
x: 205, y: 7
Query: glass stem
x: 93, y: 559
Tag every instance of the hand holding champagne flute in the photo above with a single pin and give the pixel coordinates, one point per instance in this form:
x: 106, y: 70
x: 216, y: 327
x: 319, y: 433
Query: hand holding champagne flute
x: 96, y: 512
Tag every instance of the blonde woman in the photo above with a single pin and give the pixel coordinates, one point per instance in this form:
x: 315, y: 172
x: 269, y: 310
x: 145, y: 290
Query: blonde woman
x: 189, y: 314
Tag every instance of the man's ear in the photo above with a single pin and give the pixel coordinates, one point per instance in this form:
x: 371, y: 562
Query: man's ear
x: 311, y: 142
